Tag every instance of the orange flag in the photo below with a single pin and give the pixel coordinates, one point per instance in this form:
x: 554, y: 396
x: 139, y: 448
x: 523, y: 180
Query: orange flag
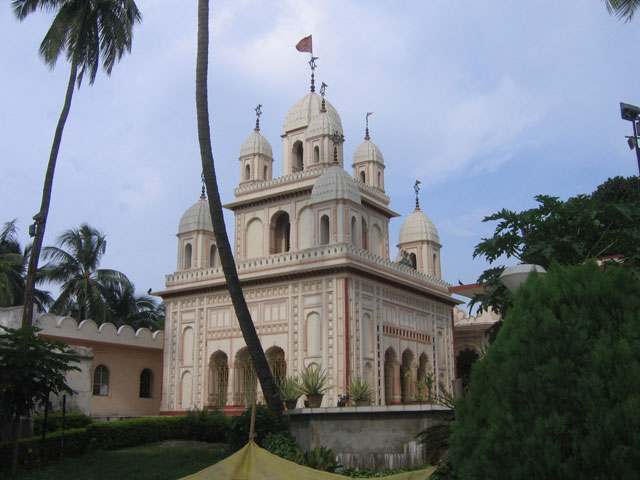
x: 305, y: 45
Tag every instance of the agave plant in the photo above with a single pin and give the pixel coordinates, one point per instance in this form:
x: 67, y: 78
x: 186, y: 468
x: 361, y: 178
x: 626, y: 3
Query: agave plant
x: 290, y: 389
x: 359, y: 389
x: 314, y: 380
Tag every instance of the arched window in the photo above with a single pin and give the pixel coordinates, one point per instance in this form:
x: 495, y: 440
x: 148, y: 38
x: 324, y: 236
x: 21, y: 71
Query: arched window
x: 187, y: 256
x: 282, y: 232
x: 101, y: 381
x: 435, y: 262
x: 277, y: 364
x: 218, y: 379
x: 213, y: 251
x: 354, y: 234
x: 298, y: 151
x: 324, y: 230
x: 316, y: 154
x: 146, y: 383
x: 266, y: 172
x: 247, y: 172
x: 413, y: 260
x: 363, y: 177
x: 365, y: 235
x: 379, y: 182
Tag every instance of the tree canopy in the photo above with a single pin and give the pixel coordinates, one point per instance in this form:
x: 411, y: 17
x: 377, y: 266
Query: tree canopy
x: 603, y: 224
x: 558, y: 393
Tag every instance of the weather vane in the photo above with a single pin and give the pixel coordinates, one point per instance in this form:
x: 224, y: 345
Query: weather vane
x: 258, y: 111
x: 323, y: 89
x: 312, y: 64
x: 337, y: 138
x: 416, y: 187
x: 366, y: 130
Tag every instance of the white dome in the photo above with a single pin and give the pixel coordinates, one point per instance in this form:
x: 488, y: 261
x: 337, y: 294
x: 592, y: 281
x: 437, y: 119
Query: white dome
x: 418, y: 227
x: 196, y: 217
x: 254, y: 144
x: 306, y: 109
x: 335, y: 184
x: 367, y: 151
x: 323, y: 124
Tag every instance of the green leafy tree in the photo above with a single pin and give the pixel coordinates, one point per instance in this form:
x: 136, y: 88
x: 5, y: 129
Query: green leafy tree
x: 623, y: 9
x: 263, y: 372
x: 127, y: 308
x: 87, y: 33
x: 13, y: 268
x: 31, y: 369
x: 84, y: 287
x: 557, y: 395
x: 605, y: 223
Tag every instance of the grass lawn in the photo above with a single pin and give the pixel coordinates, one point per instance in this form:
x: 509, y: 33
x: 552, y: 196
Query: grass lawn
x: 158, y: 461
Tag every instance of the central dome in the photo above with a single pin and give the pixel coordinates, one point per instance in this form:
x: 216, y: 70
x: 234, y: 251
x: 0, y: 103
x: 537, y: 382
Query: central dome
x: 306, y: 109
x: 335, y: 184
x: 197, y: 217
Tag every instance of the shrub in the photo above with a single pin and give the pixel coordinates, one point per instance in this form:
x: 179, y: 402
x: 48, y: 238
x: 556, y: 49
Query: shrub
x: 266, y: 423
x: 205, y: 426
x: 54, y: 420
x: 558, y: 393
x: 284, y: 445
x: 320, y: 458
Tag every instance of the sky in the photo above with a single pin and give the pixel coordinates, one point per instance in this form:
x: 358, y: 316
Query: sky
x: 486, y: 103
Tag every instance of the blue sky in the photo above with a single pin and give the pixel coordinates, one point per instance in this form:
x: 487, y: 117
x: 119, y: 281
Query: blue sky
x: 487, y: 103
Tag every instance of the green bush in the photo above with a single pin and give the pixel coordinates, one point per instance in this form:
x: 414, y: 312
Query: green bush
x: 558, y: 393
x: 54, y: 420
x: 320, y: 458
x: 284, y: 445
x: 76, y: 442
x: 205, y: 426
x: 266, y: 423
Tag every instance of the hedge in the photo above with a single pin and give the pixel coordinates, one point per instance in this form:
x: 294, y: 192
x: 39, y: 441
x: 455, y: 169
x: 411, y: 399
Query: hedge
x: 54, y: 421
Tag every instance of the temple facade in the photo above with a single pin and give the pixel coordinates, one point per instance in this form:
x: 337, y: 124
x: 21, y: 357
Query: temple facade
x: 312, y: 250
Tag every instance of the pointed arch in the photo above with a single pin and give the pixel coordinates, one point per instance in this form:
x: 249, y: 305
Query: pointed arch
x: 213, y: 252
x: 254, y: 243
x: 280, y: 233
x: 325, y: 229
x: 218, y: 379
x: 186, y: 260
x: 277, y: 363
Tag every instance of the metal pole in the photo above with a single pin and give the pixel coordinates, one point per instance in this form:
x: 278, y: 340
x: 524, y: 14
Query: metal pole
x: 635, y: 134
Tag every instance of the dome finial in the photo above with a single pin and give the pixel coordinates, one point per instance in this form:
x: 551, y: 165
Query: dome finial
x: 258, y: 113
x: 323, y: 88
x: 366, y: 130
x: 312, y: 64
x: 202, y: 195
x: 337, y: 138
x: 416, y: 187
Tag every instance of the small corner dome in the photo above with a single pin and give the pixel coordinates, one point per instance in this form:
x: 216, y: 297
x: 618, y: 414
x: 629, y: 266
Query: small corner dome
x: 367, y: 151
x: 324, y: 124
x: 196, y: 217
x: 335, y: 184
x: 418, y: 227
x: 306, y: 109
x: 256, y: 144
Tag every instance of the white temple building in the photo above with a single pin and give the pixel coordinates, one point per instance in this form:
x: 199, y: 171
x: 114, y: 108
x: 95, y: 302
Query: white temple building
x: 312, y: 250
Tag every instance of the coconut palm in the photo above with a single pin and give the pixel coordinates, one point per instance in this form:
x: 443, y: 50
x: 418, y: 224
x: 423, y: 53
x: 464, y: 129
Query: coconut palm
x: 127, y: 308
x: 623, y: 9
x: 87, y: 32
x: 263, y: 372
x: 13, y: 267
x: 74, y: 264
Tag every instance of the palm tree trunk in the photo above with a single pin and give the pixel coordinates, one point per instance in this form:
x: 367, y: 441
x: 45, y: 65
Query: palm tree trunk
x: 41, y: 216
x: 269, y: 387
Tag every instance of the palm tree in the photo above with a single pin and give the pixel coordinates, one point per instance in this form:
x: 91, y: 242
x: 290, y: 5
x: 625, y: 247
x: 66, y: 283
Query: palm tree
x: 269, y: 387
x: 623, y: 9
x: 84, y: 30
x: 74, y: 264
x: 127, y: 308
x: 13, y: 267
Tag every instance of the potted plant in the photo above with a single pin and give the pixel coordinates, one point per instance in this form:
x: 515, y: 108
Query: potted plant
x: 360, y: 391
x: 290, y: 391
x: 314, y: 384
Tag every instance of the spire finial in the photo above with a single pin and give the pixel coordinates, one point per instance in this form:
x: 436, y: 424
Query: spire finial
x: 258, y: 113
x: 202, y: 195
x: 416, y: 187
x: 312, y: 64
x: 323, y: 88
x: 337, y: 138
x: 366, y: 130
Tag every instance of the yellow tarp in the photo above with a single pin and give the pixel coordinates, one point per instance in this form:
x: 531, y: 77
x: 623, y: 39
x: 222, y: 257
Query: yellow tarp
x: 255, y: 463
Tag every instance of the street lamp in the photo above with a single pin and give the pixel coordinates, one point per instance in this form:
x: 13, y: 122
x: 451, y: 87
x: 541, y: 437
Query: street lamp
x: 632, y: 113
x: 513, y: 277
